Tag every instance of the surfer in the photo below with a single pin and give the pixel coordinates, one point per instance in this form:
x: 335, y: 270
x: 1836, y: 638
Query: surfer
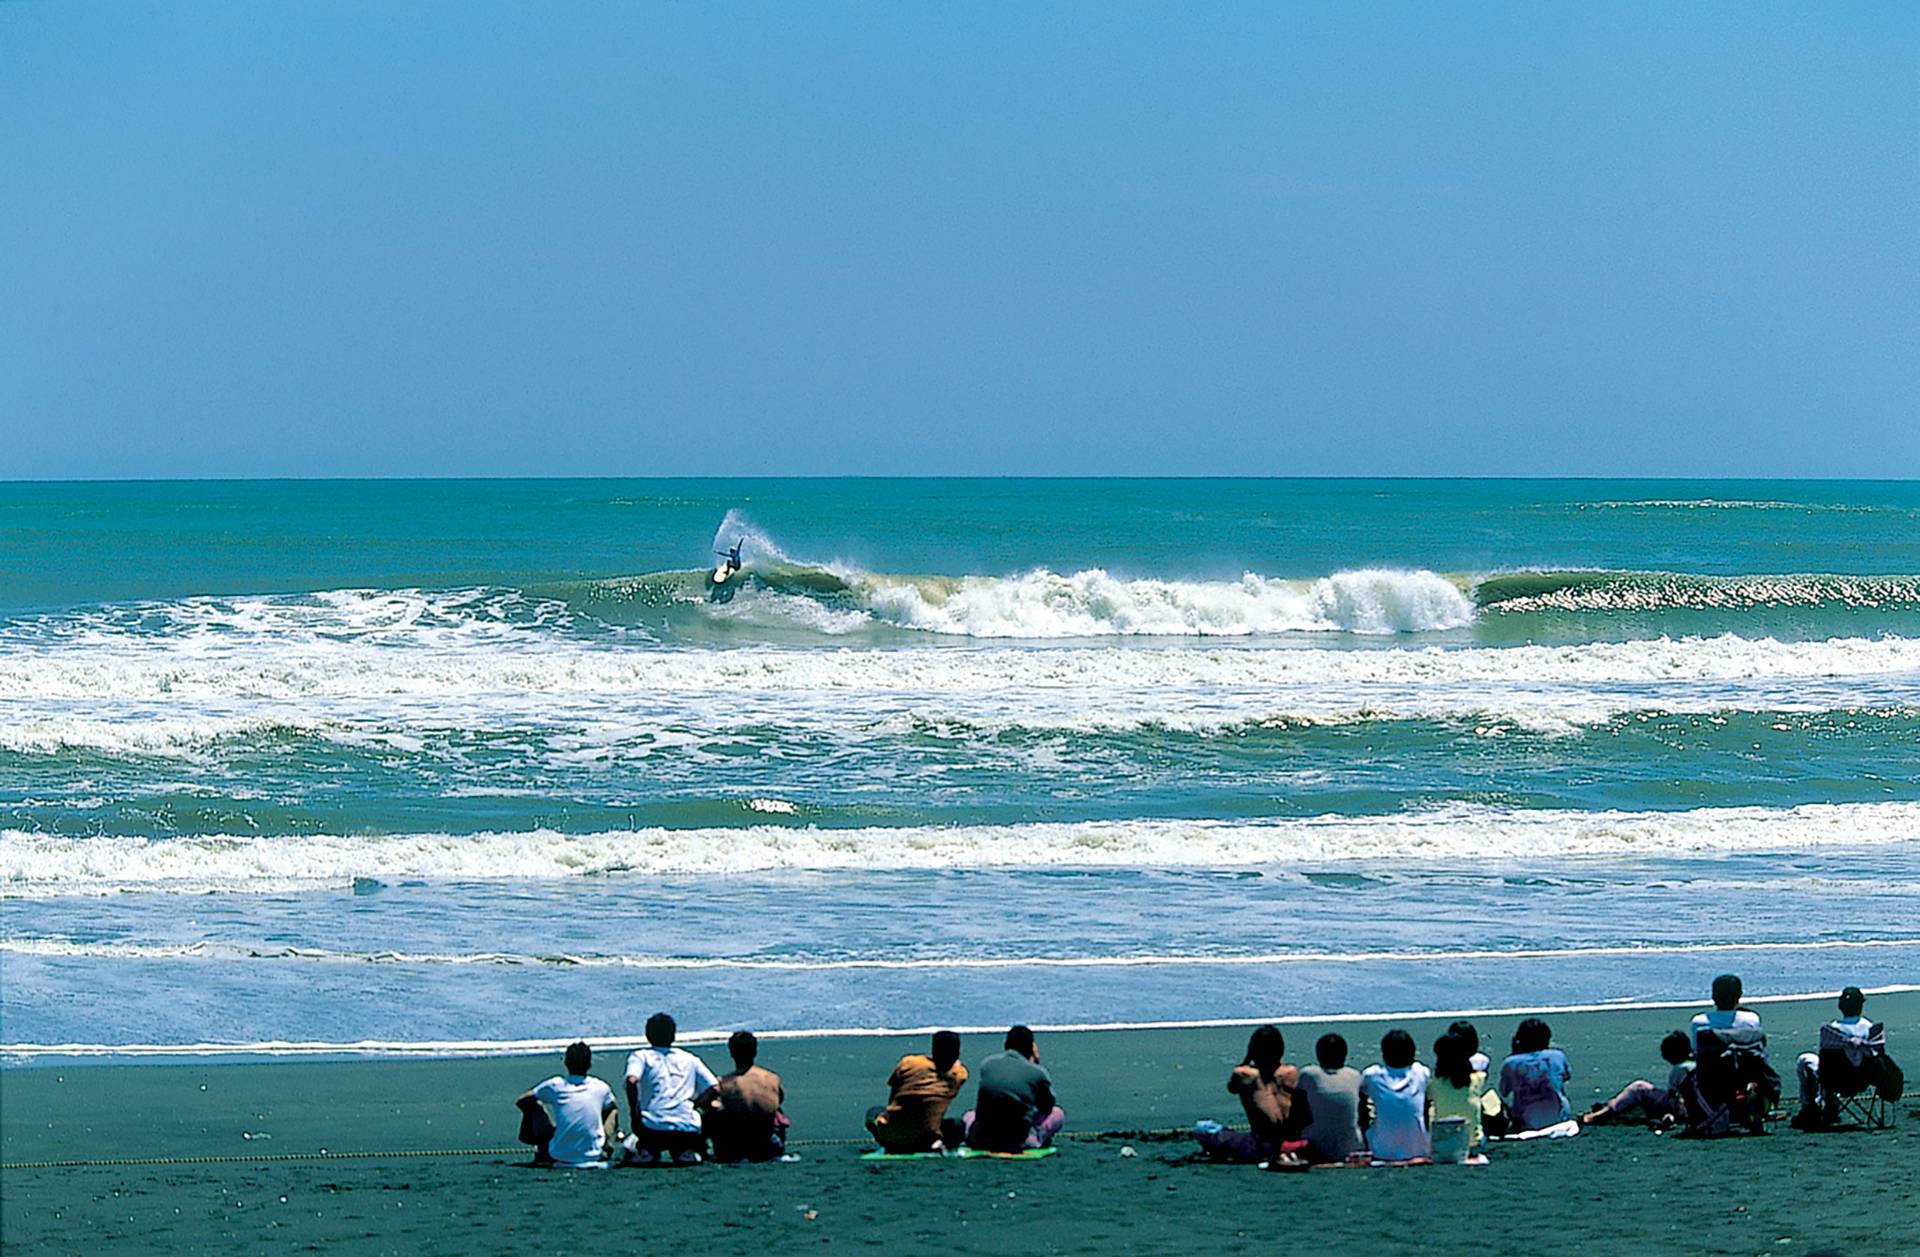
x: 732, y: 561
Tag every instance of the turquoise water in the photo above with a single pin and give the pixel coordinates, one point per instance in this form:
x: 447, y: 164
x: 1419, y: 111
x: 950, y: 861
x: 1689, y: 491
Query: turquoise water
x: 477, y: 761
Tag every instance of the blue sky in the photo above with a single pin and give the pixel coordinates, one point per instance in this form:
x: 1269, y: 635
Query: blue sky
x: 475, y: 238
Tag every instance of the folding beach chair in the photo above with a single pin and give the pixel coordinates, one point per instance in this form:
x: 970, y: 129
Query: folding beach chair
x: 1858, y: 1080
x: 1732, y: 1087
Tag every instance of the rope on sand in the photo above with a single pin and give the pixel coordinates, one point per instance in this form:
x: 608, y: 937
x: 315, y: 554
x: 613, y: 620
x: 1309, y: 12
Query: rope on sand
x: 474, y: 1153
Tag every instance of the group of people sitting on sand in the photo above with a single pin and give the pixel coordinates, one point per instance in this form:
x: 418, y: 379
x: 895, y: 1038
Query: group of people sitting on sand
x: 1399, y: 1110
x: 681, y: 1114
x: 1402, y: 1111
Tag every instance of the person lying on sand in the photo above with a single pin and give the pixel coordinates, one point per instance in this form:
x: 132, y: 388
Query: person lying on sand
x: 1396, y: 1095
x: 1265, y: 1084
x: 1016, y: 1108
x: 1661, y: 1106
x: 1726, y: 1013
x: 1328, y: 1098
x: 1533, y: 1080
x: 918, y: 1093
x: 580, y: 1133
x: 741, y: 1112
x: 662, y: 1081
x: 1458, y: 1088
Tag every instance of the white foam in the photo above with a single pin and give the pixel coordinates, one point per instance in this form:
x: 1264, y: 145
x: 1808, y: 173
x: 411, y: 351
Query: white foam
x: 37, y: 865
x: 66, y: 947
x: 126, y: 669
x: 1092, y: 603
x: 520, y: 1047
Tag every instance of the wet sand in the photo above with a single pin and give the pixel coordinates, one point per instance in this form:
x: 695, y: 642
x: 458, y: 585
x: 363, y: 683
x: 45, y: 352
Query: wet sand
x: 1609, y: 1190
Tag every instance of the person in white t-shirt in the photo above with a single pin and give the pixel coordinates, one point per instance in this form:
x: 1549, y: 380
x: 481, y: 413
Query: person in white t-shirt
x: 1852, y: 1024
x: 662, y: 1083
x: 1726, y: 1013
x: 580, y: 1132
x: 1396, y: 1095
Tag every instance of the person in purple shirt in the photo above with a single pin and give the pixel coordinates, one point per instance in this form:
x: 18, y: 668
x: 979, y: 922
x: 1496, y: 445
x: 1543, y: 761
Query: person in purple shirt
x: 1533, y: 1081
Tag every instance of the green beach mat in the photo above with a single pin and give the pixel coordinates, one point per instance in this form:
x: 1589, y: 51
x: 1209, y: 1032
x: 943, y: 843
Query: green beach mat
x: 965, y: 1154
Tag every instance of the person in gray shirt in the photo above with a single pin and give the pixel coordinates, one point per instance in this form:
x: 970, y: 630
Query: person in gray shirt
x: 1016, y: 1108
x: 1331, y: 1092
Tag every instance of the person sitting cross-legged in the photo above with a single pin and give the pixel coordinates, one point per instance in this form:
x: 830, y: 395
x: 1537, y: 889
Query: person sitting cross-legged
x: 662, y: 1081
x: 1266, y: 1085
x: 918, y: 1092
x: 1328, y: 1098
x: 1396, y: 1095
x: 741, y: 1113
x: 580, y: 1133
x: 1016, y: 1108
x: 1533, y: 1080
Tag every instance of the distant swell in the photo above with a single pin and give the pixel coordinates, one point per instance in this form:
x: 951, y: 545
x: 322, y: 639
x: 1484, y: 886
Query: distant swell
x: 34, y: 865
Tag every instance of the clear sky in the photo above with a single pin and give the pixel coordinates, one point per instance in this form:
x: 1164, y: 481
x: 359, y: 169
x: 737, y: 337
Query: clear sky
x: 895, y: 238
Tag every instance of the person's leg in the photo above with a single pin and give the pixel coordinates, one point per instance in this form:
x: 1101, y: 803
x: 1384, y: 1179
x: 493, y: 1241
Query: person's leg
x: 1046, y: 1128
x: 538, y: 1130
x: 1638, y: 1094
x: 689, y: 1146
x: 1240, y: 1146
x: 1807, y: 1066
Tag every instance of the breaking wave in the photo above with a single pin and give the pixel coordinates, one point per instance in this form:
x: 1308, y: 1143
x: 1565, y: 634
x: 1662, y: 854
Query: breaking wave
x: 39, y: 865
x: 155, y: 672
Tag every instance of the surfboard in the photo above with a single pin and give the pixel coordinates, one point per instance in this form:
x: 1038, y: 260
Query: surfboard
x: 721, y: 573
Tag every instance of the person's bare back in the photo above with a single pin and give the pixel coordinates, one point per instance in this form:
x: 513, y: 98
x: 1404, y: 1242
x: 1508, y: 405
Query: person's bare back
x: 751, y: 1094
x: 1267, y: 1098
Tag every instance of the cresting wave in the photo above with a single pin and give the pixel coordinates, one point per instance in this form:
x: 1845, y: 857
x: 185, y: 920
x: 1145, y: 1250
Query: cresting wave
x: 1523, y: 592
x: 38, y: 865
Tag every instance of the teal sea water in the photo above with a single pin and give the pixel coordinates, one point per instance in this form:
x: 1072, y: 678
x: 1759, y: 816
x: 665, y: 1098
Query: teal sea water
x: 470, y: 762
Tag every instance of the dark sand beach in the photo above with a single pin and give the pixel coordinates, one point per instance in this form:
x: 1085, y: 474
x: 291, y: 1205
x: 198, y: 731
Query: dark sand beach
x: 1609, y: 1190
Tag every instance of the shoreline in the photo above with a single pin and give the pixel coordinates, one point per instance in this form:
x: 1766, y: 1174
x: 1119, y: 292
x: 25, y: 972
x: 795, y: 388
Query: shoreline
x: 48, y: 1055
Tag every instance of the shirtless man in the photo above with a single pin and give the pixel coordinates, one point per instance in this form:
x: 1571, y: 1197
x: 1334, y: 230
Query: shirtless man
x: 1265, y: 1084
x: 741, y: 1112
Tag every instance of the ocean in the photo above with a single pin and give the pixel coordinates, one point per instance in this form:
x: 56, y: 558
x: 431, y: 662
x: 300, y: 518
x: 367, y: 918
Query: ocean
x: 476, y: 762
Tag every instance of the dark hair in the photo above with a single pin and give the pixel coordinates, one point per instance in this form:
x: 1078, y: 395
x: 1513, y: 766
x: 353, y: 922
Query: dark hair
x: 579, y: 1058
x: 1533, y: 1035
x: 1676, y: 1047
x: 743, y: 1047
x: 1396, y: 1049
x: 1330, y: 1051
x: 1020, y: 1039
x: 1453, y: 1059
x: 1265, y: 1047
x: 946, y: 1047
x: 660, y: 1030
x: 1464, y: 1031
x: 1852, y: 1000
x: 1727, y: 991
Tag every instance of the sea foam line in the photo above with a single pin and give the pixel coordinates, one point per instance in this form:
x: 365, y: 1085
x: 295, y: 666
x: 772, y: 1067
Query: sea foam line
x: 522, y: 1047
x: 39, y: 865
x: 169, y: 673
x: 56, y: 947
